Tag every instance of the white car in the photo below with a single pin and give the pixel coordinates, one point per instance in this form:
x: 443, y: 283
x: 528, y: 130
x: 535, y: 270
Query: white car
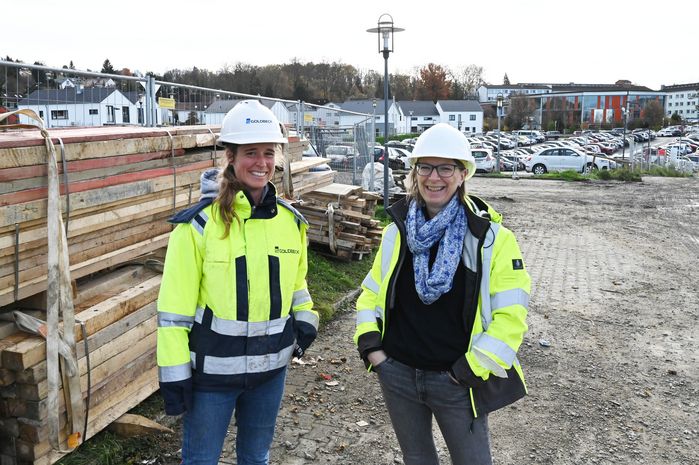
x: 565, y: 158
x: 694, y: 159
x: 485, y: 162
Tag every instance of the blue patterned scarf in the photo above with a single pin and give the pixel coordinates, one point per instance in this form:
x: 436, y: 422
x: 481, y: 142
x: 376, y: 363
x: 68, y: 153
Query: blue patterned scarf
x: 448, y: 228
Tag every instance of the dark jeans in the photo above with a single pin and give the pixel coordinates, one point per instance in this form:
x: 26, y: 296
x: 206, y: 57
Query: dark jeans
x: 413, y: 396
x: 256, y: 410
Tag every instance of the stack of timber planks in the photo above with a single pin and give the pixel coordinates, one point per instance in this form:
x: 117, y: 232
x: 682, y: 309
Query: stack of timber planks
x: 341, y: 220
x: 122, y: 183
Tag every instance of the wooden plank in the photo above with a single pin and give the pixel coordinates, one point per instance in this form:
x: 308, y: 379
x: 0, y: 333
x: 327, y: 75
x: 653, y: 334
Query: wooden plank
x: 30, y: 253
x: 84, y: 251
x: 13, y: 157
x: 109, y: 216
x: 89, y: 266
x: 18, y: 185
x: 336, y: 189
x: 31, y: 351
x: 29, y: 195
x: 19, y: 213
x: 33, y: 171
x: 72, y: 135
x: 37, y: 373
x: 104, y: 362
x: 133, y: 388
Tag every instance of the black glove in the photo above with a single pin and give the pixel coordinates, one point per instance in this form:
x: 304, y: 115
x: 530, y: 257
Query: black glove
x: 178, y: 396
x: 305, y: 335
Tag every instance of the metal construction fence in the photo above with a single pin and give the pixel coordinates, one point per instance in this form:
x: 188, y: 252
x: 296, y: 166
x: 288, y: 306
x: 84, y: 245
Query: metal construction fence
x: 65, y: 97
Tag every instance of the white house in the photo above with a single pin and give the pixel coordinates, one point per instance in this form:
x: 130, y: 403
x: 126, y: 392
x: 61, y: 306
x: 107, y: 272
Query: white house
x: 464, y: 115
x: 682, y: 99
x: 217, y: 110
x: 360, y: 111
x: 75, y: 106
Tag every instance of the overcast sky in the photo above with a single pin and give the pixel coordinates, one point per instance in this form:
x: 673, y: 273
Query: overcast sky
x: 552, y: 41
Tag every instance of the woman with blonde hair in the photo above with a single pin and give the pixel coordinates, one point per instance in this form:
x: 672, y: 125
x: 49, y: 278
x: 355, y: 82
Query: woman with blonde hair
x: 442, y: 311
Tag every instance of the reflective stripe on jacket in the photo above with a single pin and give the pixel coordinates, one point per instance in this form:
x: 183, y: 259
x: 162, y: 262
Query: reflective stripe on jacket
x: 230, y: 309
x: 501, y: 309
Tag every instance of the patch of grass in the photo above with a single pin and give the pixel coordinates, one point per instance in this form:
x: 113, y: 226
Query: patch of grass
x: 329, y: 280
x: 381, y: 215
x: 567, y: 175
x: 103, y: 449
x: 668, y: 172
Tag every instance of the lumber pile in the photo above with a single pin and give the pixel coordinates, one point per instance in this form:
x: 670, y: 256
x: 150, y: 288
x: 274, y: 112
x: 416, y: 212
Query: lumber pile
x: 341, y: 220
x: 118, y: 311
x: 118, y: 187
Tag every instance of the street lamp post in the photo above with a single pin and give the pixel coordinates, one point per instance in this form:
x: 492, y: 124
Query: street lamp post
x: 372, y: 182
x: 384, y: 31
x: 499, y: 114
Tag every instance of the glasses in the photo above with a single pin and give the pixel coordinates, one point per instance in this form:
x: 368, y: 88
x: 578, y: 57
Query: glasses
x: 443, y: 171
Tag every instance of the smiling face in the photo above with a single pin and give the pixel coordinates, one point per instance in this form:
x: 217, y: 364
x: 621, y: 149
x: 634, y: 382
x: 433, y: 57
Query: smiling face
x: 436, y: 191
x: 254, y: 166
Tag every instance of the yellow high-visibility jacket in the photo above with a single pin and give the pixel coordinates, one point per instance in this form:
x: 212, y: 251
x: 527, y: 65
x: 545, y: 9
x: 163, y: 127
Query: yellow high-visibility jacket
x: 489, y: 368
x: 232, y: 310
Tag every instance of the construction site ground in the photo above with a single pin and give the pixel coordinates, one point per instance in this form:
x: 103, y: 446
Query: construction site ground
x: 610, y: 357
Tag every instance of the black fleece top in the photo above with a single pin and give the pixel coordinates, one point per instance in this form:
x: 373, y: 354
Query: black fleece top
x: 428, y: 337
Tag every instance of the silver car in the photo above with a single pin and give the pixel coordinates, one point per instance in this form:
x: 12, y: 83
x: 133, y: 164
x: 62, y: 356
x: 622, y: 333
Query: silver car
x: 565, y: 158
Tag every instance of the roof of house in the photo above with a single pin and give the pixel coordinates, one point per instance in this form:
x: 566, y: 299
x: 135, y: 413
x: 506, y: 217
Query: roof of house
x: 364, y: 106
x: 221, y: 106
x: 460, y: 105
x: 517, y: 86
x: 68, y: 95
x: 418, y: 107
x: 680, y: 87
x: 577, y: 88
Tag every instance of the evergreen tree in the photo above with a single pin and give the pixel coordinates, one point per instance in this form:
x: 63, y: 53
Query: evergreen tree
x: 107, y: 67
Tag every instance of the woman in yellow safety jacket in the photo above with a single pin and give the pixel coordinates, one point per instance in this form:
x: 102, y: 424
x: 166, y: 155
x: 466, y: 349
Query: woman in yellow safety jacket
x: 233, y: 306
x: 442, y: 312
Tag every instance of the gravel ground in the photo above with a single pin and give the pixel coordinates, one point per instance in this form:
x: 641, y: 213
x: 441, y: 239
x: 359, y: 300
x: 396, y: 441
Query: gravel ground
x: 610, y: 357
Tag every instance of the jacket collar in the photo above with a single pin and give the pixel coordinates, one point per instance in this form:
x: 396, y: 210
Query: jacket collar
x: 246, y: 209
x: 478, y: 225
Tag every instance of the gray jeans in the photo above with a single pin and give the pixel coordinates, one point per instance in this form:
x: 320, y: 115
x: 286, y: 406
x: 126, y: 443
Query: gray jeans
x: 413, y: 396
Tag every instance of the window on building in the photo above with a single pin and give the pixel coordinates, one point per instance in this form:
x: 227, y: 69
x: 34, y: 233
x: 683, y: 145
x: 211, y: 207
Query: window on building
x: 111, y: 115
x: 452, y: 117
x: 125, y: 115
x: 41, y: 113
x: 59, y: 114
x: 472, y: 117
x: 93, y: 111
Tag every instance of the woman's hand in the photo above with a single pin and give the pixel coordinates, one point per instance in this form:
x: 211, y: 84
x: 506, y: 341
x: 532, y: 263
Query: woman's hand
x: 376, y: 357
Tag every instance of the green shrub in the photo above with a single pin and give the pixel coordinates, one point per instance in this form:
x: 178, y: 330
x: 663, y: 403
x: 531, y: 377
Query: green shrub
x: 668, y: 172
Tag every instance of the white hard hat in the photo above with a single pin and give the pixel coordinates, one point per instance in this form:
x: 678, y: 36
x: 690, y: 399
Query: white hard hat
x: 444, y: 141
x: 250, y: 122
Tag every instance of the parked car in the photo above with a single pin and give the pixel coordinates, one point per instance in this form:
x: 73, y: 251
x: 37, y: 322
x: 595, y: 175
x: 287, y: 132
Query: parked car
x: 397, y: 158
x: 340, y: 155
x: 311, y: 151
x: 694, y: 159
x: 561, y: 159
x: 485, y: 162
x: 669, y: 132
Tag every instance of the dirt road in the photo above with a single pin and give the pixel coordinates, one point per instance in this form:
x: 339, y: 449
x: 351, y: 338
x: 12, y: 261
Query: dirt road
x: 610, y: 357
